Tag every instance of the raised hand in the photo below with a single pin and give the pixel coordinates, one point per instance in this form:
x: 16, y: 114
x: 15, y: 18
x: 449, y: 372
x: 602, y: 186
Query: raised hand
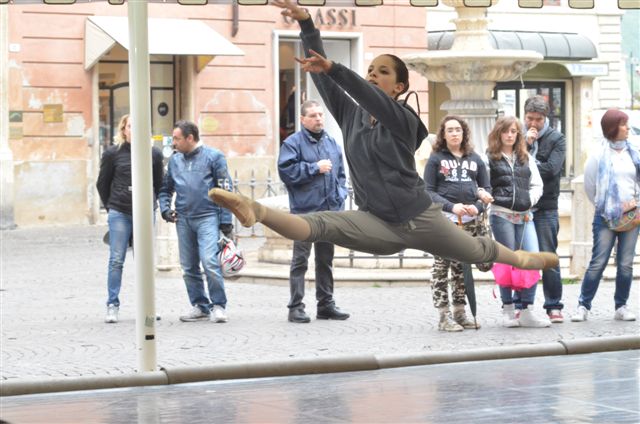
x: 532, y: 135
x: 316, y: 63
x: 291, y: 10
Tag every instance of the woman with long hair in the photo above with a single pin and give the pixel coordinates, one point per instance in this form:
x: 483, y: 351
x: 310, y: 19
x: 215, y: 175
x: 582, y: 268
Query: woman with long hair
x: 612, y: 184
x: 516, y: 186
x: 381, y: 136
x: 456, y: 177
x: 114, y: 187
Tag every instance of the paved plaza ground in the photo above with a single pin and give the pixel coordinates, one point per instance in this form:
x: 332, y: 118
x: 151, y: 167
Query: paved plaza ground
x: 52, y: 308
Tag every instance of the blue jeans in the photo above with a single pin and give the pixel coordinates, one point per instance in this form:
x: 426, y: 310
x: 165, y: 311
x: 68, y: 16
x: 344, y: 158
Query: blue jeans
x: 324, y: 273
x: 603, y: 241
x: 198, y: 242
x: 547, y: 225
x: 512, y: 235
x: 120, y: 231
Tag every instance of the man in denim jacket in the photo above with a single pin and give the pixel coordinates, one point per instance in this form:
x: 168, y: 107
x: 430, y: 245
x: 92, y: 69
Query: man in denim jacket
x: 310, y: 165
x: 193, y: 170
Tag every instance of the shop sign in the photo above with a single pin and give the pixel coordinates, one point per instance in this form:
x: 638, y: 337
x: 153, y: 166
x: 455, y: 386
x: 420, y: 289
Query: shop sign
x: 209, y: 125
x: 15, y: 133
x: 52, y: 113
x: 587, y: 69
x: 330, y: 18
x: 15, y: 116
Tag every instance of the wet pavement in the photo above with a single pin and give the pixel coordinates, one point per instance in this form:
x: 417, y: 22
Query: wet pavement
x: 591, y: 388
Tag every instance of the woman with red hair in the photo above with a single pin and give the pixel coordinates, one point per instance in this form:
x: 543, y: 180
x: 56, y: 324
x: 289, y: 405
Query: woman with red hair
x: 611, y: 181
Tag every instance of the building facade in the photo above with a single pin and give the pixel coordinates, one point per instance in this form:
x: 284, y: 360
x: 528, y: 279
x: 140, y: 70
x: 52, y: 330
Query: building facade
x: 582, y: 74
x: 65, y: 84
x: 67, y: 79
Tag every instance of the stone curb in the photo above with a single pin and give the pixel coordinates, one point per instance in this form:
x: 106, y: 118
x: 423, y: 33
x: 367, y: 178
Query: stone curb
x: 50, y: 385
x: 228, y: 371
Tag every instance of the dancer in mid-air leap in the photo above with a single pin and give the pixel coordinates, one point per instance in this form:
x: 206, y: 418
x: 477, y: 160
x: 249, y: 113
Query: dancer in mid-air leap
x: 381, y: 136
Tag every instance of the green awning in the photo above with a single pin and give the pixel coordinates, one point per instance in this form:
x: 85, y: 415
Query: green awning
x: 551, y: 45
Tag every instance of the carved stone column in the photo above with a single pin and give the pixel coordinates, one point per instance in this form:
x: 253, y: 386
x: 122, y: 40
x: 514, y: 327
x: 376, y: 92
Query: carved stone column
x: 581, y: 235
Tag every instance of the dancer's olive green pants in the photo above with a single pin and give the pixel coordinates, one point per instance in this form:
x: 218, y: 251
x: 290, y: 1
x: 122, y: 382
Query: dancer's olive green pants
x: 430, y: 231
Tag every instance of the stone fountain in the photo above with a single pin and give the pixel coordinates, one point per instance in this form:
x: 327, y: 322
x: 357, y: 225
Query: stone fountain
x: 471, y: 68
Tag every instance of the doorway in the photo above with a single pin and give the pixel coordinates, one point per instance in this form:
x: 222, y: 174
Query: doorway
x: 114, y: 99
x: 512, y: 95
x: 296, y: 86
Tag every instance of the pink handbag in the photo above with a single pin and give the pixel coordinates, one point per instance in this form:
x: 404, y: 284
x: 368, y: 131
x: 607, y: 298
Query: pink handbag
x: 515, y: 278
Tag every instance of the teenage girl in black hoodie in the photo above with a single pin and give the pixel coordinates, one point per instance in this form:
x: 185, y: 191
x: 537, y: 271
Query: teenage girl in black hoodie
x: 456, y: 177
x: 380, y: 139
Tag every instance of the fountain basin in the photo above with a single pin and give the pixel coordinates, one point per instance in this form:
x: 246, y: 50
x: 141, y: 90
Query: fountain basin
x: 474, y: 66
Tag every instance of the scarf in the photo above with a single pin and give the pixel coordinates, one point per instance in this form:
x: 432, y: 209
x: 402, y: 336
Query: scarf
x: 608, y: 203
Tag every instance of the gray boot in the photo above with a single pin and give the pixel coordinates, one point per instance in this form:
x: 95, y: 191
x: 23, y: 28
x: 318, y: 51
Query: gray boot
x: 460, y: 317
x: 446, y: 323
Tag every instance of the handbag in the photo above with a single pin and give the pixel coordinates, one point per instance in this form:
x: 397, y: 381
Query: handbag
x: 515, y: 278
x: 483, y: 230
x: 630, y: 219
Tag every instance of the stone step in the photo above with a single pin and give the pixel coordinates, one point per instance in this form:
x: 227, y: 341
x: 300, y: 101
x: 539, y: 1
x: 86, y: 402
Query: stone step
x: 273, y: 273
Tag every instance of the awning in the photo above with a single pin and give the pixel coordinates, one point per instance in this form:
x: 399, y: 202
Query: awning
x: 166, y: 37
x: 552, y: 45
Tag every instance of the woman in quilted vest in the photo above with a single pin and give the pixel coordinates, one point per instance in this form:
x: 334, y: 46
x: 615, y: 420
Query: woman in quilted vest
x: 516, y: 186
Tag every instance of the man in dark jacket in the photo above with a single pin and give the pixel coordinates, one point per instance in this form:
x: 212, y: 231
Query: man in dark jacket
x: 548, y: 147
x: 193, y: 170
x: 311, y: 167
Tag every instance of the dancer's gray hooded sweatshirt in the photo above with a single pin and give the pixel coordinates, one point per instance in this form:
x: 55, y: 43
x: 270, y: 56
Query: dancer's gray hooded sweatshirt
x: 380, y: 156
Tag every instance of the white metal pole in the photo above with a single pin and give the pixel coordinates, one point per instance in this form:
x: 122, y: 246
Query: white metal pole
x: 6, y: 155
x: 139, y: 94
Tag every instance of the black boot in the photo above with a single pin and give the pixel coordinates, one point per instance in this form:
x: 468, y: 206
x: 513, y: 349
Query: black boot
x: 298, y: 315
x: 331, y: 312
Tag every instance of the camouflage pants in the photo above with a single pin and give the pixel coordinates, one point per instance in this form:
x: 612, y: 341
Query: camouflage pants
x: 440, y: 273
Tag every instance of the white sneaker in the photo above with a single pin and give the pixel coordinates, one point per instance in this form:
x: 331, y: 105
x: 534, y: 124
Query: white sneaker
x: 624, y: 314
x: 195, y: 314
x: 509, y: 316
x: 527, y: 319
x: 112, y: 314
x: 580, y: 314
x: 218, y: 314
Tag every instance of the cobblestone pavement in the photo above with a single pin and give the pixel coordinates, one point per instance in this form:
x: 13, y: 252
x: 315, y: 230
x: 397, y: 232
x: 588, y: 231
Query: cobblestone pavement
x: 53, y: 288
